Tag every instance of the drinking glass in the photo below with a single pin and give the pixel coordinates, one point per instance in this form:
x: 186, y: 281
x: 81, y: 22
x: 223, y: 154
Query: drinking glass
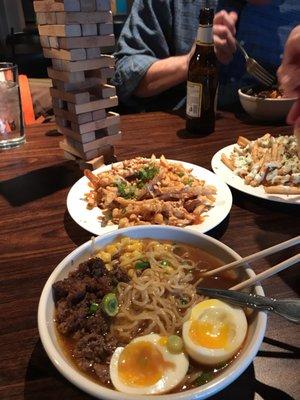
x: 11, y: 121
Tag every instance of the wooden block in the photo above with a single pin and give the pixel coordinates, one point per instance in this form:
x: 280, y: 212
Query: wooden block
x: 111, y: 119
x: 66, y: 146
x: 102, y: 5
x: 74, y: 66
x: 93, y: 105
x: 61, y: 121
x: 86, y: 41
x: 88, y: 5
x: 58, y: 103
x: 92, y: 53
x: 53, y: 42
x: 103, y: 73
x: 84, y: 147
x: 69, y: 156
x: 92, y: 164
x: 44, y: 40
x: 71, y: 97
x: 108, y: 91
x: 69, y: 55
x: 65, y: 18
x: 106, y: 28
x: 41, y: 18
x: 89, y: 29
x: 113, y: 129
x: 50, y: 18
x: 52, y: 5
x: 98, y: 114
x: 78, y: 119
x: 70, y: 77
x: 84, y: 138
x: 103, y: 91
x: 87, y: 83
x: 59, y: 30
x: 48, y: 5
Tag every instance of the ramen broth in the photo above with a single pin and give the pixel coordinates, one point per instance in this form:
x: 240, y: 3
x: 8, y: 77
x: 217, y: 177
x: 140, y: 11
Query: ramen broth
x: 205, y: 261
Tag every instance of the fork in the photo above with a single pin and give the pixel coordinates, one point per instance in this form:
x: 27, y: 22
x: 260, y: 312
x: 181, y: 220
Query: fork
x: 256, y: 70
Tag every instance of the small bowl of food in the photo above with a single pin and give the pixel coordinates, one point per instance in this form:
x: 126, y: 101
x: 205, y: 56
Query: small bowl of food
x: 121, y: 318
x: 265, y: 104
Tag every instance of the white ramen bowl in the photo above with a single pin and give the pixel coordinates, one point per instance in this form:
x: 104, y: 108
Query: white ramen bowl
x: 256, y: 329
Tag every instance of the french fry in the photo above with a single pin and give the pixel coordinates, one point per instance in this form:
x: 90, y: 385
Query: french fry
x: 282, y: 189
x: 227, y: 162
x: 242, y: 141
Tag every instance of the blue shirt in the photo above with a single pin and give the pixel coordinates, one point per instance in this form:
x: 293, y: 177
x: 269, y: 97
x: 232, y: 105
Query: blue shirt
x: 157, y: 29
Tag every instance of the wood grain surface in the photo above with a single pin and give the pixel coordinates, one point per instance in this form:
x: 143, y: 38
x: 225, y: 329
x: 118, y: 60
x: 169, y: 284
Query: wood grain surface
x: 36, y: 232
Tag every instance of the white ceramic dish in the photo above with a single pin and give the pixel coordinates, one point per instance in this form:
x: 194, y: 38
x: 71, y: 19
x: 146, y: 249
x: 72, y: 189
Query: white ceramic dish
x: 253, y: 341
x: 265, y: 109
x: 89, y: 219
x: 237, y: 182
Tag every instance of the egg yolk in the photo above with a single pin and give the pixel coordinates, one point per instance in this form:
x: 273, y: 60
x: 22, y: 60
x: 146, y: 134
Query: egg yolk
x: 206, y: 334
x: 142, y: 364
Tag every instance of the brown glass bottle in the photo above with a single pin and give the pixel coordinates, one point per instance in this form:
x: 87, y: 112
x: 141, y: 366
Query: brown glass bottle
x: 202, y: 81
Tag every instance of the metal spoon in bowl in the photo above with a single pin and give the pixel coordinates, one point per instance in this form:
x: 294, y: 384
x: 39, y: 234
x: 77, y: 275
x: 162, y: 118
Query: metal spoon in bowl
x: 289, y: 308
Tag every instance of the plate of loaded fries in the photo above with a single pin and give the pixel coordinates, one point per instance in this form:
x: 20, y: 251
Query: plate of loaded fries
x: 149, y: 191
x: 268, y: 167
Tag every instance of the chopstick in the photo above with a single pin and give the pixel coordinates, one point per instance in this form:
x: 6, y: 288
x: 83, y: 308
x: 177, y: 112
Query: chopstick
x: 269, y: 272
x: 255, y: 256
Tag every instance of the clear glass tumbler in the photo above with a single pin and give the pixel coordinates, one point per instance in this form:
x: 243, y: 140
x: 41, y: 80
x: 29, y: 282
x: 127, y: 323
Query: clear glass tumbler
x: 11, y: 121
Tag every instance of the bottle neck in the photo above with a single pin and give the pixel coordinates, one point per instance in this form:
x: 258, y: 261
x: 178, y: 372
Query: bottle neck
x: 205, y: 35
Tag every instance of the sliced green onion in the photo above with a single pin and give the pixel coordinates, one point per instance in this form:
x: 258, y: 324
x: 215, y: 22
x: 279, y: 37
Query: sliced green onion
x: 175, y: 344
x: 183, y: 301
x: 110, y: 304
x: 93, y: 308
x: 141, y: 265
x: 204, y: 378
x: 164, y: 263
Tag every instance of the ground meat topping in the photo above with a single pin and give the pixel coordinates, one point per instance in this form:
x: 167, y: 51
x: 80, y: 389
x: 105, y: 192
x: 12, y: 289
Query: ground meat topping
x: 89, y: 332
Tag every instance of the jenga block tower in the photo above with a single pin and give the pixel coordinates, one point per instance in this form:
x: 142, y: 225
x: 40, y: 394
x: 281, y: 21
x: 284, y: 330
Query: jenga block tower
x: 74, y: 33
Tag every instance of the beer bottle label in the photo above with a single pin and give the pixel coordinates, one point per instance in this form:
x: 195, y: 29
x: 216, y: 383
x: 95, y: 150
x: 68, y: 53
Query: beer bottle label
x: 193, y: 99
x: 205, y: 35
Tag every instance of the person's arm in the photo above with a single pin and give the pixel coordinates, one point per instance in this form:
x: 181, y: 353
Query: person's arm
x: 163, y: 75
x: 289, y: 74
x: 145, y: 39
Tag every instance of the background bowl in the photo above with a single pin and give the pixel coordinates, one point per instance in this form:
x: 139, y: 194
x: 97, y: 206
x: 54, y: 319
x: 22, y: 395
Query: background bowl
x: 265, y: 109
x: 46, y: 325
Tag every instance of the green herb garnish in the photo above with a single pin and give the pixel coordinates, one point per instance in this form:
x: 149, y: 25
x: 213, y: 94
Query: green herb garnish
x: 180, y: 174
x: 141, y: 265
x: 125, y: 191
x: 93, y: 308
x: 147, y: 173
x: 189, y: 181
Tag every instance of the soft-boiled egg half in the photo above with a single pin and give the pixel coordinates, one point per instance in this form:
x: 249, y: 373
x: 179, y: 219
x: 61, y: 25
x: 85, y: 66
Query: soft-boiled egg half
x: 214, y: 332
x: 145, y: 366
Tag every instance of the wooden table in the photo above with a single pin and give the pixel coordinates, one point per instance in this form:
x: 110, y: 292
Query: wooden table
x: 36, y: 232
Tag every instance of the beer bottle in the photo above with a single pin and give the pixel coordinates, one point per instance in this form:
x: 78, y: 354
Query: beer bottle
x: 202, y: 80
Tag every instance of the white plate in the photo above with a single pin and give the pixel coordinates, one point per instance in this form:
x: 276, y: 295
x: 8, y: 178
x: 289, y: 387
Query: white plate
x: 237, y: 182
x: 89, y: 219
